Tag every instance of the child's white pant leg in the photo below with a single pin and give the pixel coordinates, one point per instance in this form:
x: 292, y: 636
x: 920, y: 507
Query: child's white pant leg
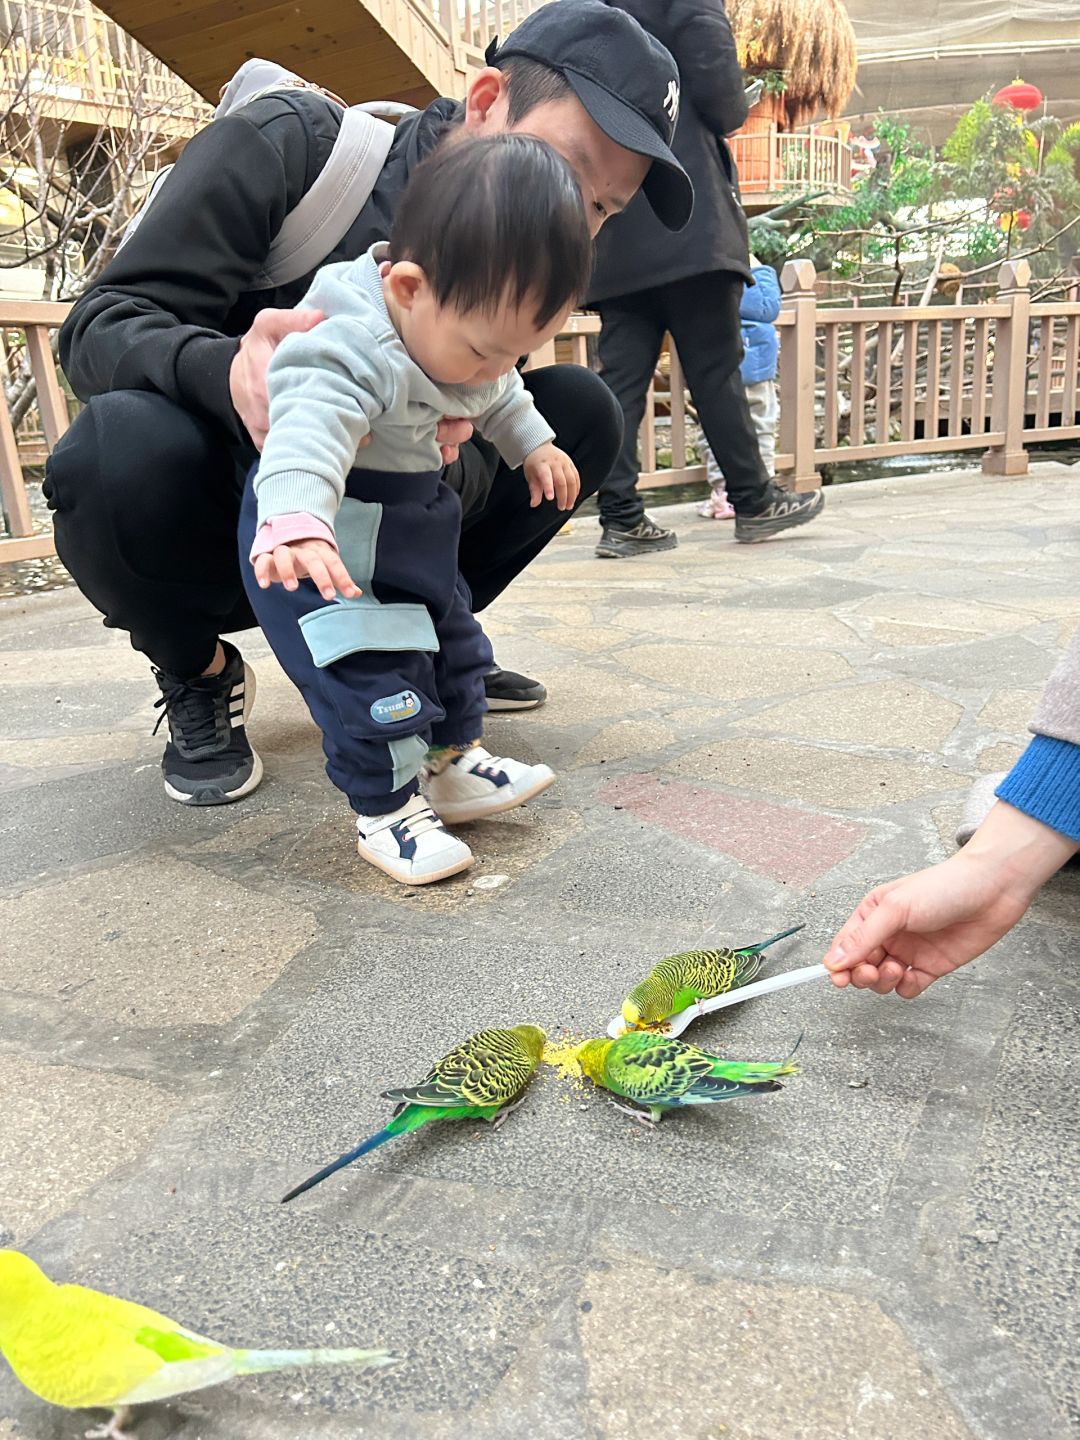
x: 713, y: 473
x: 764, y: 398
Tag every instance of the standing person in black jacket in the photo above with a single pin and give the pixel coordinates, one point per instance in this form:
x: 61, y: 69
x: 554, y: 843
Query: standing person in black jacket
x: 170, y: 348
x: 648, y: 282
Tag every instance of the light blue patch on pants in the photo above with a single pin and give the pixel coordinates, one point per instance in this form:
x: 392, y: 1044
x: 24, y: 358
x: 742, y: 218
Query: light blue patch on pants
x: 357, y: 531
x: 345, y: 627
x: 407, y: 756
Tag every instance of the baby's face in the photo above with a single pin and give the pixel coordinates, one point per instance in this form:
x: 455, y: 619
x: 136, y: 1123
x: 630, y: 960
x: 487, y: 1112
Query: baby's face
x: 474, y: 347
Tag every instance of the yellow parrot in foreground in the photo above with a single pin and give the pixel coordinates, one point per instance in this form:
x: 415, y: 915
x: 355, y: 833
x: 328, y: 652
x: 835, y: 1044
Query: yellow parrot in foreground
x: 84, y: 1349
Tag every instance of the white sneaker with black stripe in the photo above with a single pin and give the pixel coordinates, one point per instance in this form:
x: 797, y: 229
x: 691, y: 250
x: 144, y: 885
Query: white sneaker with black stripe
x: 478, y: 784
x: 411, y: 844
x: 208, y: 759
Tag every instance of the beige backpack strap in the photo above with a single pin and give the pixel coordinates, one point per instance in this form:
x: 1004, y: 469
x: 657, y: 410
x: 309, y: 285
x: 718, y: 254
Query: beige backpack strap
x: 311, y: 231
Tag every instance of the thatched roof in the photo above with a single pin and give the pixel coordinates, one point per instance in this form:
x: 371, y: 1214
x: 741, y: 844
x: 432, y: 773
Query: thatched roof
x: 811, y: 41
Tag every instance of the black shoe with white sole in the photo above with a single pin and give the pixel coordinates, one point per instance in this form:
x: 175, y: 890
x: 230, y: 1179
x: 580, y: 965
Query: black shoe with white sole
x: 646, y: 538
x: 506, y: 690
x: 783, y: 510
x: 208, y: 759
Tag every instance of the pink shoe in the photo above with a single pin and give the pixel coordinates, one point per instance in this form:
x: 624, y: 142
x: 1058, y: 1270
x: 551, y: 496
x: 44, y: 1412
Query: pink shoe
x: 716, y: 507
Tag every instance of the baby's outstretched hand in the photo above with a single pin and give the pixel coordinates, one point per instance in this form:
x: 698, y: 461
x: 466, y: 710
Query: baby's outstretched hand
x: 551, y: 475
x: 316, y: 560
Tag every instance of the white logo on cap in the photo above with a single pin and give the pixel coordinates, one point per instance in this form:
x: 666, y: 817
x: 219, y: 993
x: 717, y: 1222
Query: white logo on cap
x: 671, y: 100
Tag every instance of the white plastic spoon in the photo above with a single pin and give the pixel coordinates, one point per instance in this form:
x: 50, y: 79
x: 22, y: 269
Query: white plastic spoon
x: 678, y: 1023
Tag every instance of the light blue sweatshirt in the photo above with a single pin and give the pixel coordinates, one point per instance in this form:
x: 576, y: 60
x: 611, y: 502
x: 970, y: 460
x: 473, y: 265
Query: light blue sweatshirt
x: 350, y: 376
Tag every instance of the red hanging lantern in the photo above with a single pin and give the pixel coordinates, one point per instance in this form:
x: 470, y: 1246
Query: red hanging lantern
x: 1020, y: 96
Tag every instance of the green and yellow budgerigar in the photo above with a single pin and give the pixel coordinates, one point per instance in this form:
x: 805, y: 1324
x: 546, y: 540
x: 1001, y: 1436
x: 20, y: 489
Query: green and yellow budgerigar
x: 680, y: 981
x: 84, y: 1349
x: 483, y: 1078
x: 658, y: 1073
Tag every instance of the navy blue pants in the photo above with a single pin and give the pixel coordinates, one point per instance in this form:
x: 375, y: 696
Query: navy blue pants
x: 400, y: 668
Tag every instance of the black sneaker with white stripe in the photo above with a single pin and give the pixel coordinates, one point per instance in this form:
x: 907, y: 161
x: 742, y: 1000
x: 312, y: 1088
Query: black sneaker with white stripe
x: 507, y: 690
x: 208, y: 760
x: 783, y: 509
x: 646, y: 538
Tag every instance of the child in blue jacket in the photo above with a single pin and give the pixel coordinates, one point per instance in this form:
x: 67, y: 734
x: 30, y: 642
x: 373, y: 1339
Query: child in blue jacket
x: 761, y: 350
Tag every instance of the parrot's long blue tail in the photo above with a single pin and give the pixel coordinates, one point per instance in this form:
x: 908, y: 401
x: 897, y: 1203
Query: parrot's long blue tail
x: 764, y: 944
x: 371, y: 1143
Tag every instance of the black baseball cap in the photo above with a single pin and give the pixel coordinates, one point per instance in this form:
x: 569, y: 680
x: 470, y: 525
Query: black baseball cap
x: 626, y: 80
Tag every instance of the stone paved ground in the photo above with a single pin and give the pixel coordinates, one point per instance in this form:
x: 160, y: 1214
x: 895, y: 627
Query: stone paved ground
x: 198, y: 1007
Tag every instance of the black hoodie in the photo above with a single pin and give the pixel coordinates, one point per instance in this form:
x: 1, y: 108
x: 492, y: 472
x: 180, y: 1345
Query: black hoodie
x: 634, y: 252
x: 167, y: 313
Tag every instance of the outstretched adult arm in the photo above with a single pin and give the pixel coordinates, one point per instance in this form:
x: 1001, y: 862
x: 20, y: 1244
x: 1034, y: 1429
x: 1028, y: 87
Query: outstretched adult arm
x: 905, y: 935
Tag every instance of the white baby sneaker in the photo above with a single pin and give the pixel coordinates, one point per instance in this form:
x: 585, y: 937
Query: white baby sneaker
x: 412, y: 844
x: 478, y: 784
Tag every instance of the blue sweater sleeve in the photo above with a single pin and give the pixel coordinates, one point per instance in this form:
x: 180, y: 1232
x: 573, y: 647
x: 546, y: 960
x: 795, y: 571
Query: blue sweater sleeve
x: 1045, y: 784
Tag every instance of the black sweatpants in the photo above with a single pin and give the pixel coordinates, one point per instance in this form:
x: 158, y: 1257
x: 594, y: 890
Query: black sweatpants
x: 146, y: 499
x: 398, y: 669
x: 702, y: 315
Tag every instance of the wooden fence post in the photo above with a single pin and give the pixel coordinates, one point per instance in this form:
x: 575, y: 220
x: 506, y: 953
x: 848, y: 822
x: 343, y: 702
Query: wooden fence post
x: 798, y: 374
x: 1007, y: 398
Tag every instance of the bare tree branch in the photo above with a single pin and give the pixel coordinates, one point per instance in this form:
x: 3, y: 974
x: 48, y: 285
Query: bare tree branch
x: 76, y: 186
x: 1025, y: 254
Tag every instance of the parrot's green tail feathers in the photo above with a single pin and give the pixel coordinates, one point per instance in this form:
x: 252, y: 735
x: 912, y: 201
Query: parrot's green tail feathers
x: 764, y: 944
x: 757, y: 1074
x: 257, y: 1362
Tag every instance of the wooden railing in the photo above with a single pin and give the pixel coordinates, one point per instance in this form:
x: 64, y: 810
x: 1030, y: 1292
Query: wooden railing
x: 666, y: 402
x: 856, y: 382
x: 920, y: 379
x: 472, y: 24
x: 869, y: 382
x: 773, y: 162
x: 26, y: 331
x: 62, y: 54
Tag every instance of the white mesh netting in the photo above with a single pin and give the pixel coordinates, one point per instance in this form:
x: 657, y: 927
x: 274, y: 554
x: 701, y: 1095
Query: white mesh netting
x: 883, y: 25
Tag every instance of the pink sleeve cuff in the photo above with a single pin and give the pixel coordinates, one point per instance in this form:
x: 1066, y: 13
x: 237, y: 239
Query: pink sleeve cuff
x: 284, y: 529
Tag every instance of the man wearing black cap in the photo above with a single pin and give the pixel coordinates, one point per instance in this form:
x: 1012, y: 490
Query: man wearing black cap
x: 170, y: 348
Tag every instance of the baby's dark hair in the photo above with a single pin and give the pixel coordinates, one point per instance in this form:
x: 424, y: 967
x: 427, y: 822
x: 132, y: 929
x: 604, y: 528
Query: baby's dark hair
x: 496, y: 218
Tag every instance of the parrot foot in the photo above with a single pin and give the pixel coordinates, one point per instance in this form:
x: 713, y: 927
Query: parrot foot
x: 112, y: 1430
x: 641, y: 1117
x: 500, y: 1118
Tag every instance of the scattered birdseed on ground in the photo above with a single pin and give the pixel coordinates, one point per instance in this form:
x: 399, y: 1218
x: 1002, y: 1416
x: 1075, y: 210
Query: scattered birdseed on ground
x: 560, y: 1053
